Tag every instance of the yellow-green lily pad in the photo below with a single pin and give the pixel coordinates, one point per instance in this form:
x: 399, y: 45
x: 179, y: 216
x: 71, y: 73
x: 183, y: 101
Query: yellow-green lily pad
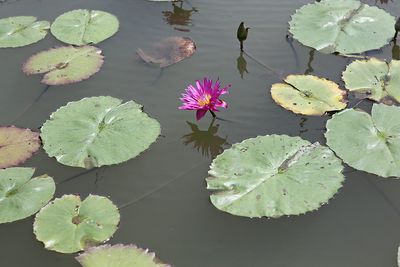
x: 66, y: 64
x: 308, y: 95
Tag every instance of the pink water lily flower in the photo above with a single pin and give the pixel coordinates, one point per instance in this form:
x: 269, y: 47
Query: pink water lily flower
x: 204, y: 97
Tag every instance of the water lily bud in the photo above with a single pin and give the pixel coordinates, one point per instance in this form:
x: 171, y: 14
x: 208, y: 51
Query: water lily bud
x: 242, y: 34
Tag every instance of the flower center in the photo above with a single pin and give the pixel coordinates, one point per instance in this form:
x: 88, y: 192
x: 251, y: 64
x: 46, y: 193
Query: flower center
x: 204, y: 101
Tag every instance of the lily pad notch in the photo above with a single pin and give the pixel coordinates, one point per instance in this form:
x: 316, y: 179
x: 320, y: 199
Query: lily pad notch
x: 343, y: 26
x: 366, y: 142
x: 106, y: 131
x: 65, y: 65
x: 273, y: 176
x: 69, y: 225
x: 22, y: 196
x: 308, y: 95
x: 374, y: 79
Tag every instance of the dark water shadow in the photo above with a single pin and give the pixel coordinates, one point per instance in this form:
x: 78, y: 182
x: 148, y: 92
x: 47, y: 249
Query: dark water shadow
x: 36, y: 100
x: 179, y: 16
x: 396, y: 51
x: 310, y: 69
x: 383, y: 1
x: 207, y: 142
x: 302, y: 128
x: 167, y: 183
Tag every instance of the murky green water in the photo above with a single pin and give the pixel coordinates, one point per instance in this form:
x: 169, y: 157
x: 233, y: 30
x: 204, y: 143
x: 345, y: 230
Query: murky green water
x: 165, y: 203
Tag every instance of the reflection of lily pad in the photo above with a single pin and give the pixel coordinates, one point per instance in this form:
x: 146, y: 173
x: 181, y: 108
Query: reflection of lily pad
x: 81, y: 26
x: 344, y: 26
x: 68, y: 225
x: 21, y: 31
x: 374, y: 79
x: 367, y: 143
x: 119, y: 256
x: 65, y: 64
x: 308, y: 95
x: 273, y: 176
x: 17, y: 145
x: 98, y: 131
x: 169, y: 51
x: 21, y: 196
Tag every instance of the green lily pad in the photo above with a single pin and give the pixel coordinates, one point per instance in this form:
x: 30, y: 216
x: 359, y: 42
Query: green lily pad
x: 344, y: 26
x: 68, y: 225
x: 367, y: 143
x: 21, y: 196
x: 21, y: 31
x: 274, y: 175
x: 308, y: 95
x: 81, y: 26
x: 374, y: 79
x: 98, y: 131
x: 17, y: 145
x: 66, y: 64
x: 398, y: 257
x: 119, y: 256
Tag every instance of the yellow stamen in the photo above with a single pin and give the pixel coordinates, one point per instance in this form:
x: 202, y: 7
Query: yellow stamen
x: 205, y: 101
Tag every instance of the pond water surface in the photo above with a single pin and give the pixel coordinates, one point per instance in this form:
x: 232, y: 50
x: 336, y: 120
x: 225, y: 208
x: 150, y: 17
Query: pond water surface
x: 165, y: 205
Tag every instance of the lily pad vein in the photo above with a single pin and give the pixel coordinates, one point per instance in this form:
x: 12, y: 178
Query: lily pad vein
x: 345, y: 21
x: 94, y: 135
x: 286, y: 162
x: 387, y: 144
x: 311, y: 96
x: 88, y: 18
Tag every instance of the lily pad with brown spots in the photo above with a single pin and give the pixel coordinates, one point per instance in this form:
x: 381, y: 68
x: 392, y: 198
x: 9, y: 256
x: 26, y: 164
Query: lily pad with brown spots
x: 17, y: 145
x: 169, y: 51
x: 308, y: 95
x: 273, y: 176
x: 65, y: 65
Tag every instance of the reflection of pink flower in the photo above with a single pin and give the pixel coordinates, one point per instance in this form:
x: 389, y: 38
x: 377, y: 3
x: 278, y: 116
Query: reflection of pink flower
x: 204, y: 97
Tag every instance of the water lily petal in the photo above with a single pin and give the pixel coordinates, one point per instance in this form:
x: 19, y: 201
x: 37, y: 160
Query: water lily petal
x: 200, y: 113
